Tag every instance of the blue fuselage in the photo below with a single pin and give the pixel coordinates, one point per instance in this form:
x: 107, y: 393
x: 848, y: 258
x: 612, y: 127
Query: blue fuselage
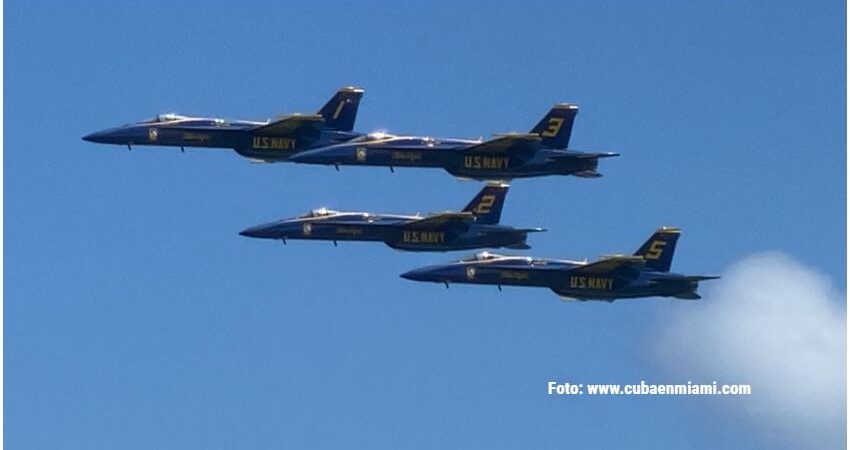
x: 245, y: 137
x: 397, y: 231
x: 560, y: 276
x: 451, y: 155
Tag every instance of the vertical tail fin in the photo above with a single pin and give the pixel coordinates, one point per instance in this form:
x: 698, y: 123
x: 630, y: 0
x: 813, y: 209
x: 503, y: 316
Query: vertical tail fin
x: 658, y: 250
x: 557, y: 125
x: 341, y: 110
x: 487, y: 205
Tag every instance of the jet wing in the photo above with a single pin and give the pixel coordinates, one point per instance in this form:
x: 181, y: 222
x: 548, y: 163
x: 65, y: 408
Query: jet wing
x: 509, y: 143
x: 680, y: 281
x: 611, y: 264
x: 441, y: 219
x: 294, y: 125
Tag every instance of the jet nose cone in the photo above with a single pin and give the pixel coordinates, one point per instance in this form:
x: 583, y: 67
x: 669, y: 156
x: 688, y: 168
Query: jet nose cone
x: 423, y: 274
x: 410, y: 275
x: 120, y: 135
x: 93, y: 137
x: 255, y: 232
x: 273, y: 230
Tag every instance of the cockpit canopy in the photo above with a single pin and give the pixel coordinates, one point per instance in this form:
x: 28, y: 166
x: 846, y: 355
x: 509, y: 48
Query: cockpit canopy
x: 483, y: 256
x: 376, y: 136
x: 320, y: 212
x: 168, y: 117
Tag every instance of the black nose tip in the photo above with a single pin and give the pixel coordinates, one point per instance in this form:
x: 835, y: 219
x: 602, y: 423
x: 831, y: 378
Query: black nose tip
x: 415, y: 275
x: 257, y: 232
x: 98, y: 137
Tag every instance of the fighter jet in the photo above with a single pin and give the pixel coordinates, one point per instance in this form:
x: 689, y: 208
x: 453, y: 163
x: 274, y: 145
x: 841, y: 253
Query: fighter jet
x: 477, y: 226
x: 539, y: 153
x: 644, y: 274
x: 270, y: 141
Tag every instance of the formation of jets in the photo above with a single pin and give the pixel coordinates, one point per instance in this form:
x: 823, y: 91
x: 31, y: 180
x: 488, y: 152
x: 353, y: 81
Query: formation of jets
x: 328, y: 138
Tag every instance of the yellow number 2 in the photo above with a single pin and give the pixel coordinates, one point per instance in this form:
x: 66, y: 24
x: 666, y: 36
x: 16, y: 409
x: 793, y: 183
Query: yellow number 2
x: 485, y: 204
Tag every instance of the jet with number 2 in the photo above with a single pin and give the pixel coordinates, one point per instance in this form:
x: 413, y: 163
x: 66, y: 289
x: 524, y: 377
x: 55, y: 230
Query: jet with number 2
x: 271, y: 141
x: 477, y: 226
x: 541, y: 152
x: 644, y: 274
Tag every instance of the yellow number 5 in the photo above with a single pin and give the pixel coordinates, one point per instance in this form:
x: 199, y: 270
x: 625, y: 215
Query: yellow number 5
x: 655, y: 250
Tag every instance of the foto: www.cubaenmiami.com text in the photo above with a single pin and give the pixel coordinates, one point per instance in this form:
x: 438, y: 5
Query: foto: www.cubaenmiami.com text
x: 644, y: 388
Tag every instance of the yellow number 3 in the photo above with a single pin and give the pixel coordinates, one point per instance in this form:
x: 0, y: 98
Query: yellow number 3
x: 554, y: 127
x: 655, y: 250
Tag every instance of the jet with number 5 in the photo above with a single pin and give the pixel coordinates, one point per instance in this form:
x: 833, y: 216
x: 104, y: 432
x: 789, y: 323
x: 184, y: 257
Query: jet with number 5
x: 541, y: 152
x: 644, y: 274
x: 477, y: 226
x: 271, y: 141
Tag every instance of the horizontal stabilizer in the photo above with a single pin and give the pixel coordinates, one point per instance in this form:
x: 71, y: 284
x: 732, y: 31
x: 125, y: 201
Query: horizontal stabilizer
x: 587, y: 174
x: 530, y: 230
x: 597, y: 155
x: 559, y: 155
x: 687, y: 278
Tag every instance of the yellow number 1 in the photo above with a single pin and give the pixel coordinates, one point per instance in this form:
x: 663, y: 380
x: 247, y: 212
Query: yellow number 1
x: 339, y: 109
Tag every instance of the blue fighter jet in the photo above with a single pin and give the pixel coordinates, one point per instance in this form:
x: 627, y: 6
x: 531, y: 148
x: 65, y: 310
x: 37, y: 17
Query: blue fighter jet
x: 477, y: 226
x: 271, y: 141
x: 541, y: 152
x: 645, y: 274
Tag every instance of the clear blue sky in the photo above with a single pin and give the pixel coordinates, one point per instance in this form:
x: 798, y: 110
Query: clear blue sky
x: 136, y: 317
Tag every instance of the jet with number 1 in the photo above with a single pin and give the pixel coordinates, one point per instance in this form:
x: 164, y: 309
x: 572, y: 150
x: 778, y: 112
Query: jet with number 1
x: 271, y: 141
x: 541, y: 152
x: 477, y: 226
x: 644, y: 274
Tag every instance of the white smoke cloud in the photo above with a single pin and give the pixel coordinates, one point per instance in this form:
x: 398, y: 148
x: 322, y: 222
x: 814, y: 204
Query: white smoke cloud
x: 778, y: 325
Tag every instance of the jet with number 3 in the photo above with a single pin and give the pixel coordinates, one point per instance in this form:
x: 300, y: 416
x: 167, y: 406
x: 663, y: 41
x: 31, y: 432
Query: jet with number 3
x: 644, y: 274
x: 541, y: 152
x: 477, y: 226
x: 271, y: 141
